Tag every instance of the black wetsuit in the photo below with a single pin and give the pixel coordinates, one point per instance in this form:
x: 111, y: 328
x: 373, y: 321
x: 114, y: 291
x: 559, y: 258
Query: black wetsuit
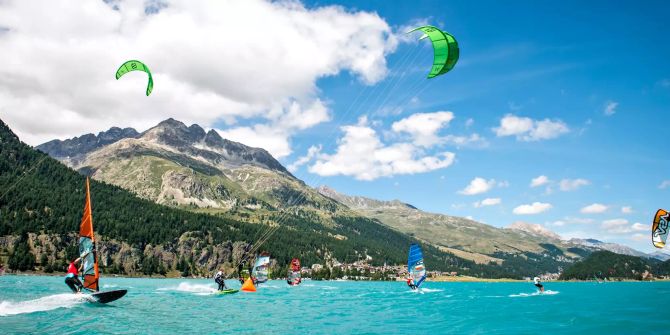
x: 239, y: 273
x: 219, y: 280
x: 74, y: 283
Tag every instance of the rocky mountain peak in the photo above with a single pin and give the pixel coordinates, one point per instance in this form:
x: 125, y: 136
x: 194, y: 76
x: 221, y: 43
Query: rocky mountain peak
x: 174, y: 133
x: 535, y: 229
x: 360, y: 202
x: 79, y: 146
x: 213, y: 139
x: 613, y: 247
x: 191, y: 141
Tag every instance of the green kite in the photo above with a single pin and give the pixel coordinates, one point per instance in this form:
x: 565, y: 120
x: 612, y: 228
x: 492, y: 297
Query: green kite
x: 135, y: 65
x: 445, y: 50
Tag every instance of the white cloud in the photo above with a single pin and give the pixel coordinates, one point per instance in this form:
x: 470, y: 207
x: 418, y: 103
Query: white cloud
x: 639, y: 237
x: 487, y: 202
x: 664, y: 184
x: 478, y: 186
x: 362, y: 154
x: 271, y: 139
x: 284, y: 121
x: 557, y: 223
x: 458, y: 206
x: 573, y: 184
x: 527, y: 129
x: 423, y: 127
x: 534, y: 208
x: 539, y: 181
x: 474, y: 140
x: 616, y: 226
x: 626, y: 210
x: 312, y: 152
x: 213, y: 62
x: 594, y: 209
x: 639, y: 227
x: 568, y: 220
x: 610, y: 108
x: 469, y: 122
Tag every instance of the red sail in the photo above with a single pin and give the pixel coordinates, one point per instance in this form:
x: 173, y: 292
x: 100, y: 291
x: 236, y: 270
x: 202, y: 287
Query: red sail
x: 293, y: 277
x: 295, y: 264
x: 87, y: 245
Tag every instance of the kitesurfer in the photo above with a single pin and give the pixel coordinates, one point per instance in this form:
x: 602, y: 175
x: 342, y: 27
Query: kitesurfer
x: 71, y: 278
x: 538, y: 284
x: 218, y: 278
x: 239, y: 272
x: 410, y: 283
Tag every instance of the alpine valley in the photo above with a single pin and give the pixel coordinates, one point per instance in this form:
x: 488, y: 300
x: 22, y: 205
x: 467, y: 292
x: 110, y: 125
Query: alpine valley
x: 179, y: 200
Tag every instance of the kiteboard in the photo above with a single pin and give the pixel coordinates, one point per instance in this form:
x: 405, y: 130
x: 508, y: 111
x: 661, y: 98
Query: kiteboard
x: 108, y: 296
x: 228, y: 291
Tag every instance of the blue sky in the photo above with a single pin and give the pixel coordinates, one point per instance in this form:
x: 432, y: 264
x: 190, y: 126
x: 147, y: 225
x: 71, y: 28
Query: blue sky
x: 562, y: 61
x: 570, y: 96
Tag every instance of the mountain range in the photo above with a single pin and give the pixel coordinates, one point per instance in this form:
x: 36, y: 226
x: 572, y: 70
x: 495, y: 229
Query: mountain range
x: 186, y: 167
x: 42, y: 200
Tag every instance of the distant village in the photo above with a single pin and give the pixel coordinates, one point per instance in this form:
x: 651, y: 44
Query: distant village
x: 362, y: 270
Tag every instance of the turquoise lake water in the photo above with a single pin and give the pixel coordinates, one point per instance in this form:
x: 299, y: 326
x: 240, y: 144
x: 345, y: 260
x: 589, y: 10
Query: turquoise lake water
x: 31, y: 304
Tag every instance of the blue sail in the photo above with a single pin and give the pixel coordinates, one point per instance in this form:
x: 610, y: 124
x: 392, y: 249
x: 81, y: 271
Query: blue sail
x: 415, y: 265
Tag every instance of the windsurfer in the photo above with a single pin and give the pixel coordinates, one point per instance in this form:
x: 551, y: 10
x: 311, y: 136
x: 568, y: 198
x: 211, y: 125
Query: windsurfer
x: 410, y: 283
x: 218, y: 278
x: 538, y: 284
x: 71, y: 278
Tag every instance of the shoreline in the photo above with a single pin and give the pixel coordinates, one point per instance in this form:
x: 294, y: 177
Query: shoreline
x: 444, y: 279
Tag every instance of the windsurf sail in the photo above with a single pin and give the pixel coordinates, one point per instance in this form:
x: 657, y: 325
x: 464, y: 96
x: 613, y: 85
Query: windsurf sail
x: 261, y: 268
x: 659, y: 228
x: 415, y: 265
x: 294, y: 276
x: 87, y: 248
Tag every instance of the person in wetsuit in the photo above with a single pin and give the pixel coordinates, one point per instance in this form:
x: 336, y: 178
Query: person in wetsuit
x: 72, y: 278
x: 538, y: 284
x: 218, y: 278
x: 239, y: 272
x: 410, y: 283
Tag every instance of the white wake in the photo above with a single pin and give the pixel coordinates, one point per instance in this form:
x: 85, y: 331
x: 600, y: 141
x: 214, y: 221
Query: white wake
x: 51, y: 302
x: 199, y: 289
x: 523, y: 295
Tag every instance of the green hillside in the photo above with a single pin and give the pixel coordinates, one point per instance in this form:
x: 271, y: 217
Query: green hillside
x: 605, y: 264
x: 42, y: 200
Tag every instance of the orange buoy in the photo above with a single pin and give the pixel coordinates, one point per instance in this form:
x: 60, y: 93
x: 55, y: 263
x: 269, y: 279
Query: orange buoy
x: 248, y: 286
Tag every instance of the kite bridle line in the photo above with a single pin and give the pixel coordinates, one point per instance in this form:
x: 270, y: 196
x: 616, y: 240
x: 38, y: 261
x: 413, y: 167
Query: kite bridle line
x: 386, y: 93
x: 270, y: 230
x: 267, y: 233
x: 25, y: 173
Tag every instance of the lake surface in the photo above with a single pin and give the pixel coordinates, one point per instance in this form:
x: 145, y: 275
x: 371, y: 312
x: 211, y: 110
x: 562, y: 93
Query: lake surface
x: 30, y: 304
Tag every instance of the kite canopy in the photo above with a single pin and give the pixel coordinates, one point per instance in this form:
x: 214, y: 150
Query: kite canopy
x: 135, y: 65
x: 659, y: 228
x: 445, y: 50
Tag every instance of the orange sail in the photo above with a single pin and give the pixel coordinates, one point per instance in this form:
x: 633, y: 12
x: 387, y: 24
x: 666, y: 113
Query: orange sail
x: 87, y: 248
x: 248, y: 286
